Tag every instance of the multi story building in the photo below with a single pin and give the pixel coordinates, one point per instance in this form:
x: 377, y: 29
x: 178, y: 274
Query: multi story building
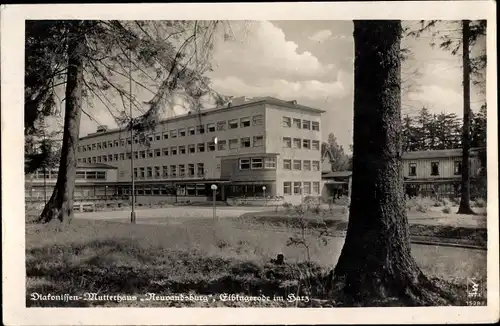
x: 242, y: 147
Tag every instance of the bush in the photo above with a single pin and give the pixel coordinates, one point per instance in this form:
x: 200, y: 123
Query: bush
x: 422, y: 204
x: 446, y: 210
x: 480, y: 203
x: 342, y: 201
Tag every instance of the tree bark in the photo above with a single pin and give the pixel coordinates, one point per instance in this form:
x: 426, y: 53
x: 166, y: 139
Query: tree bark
x: 60, y: 205
x: 376, y: 261
x: 464, y: 207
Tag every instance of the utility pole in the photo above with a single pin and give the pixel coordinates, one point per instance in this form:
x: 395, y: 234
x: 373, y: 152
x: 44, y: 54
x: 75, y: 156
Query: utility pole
x: 132, y: 214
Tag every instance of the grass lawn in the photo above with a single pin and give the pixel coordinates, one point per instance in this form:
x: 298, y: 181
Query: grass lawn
x: 190, y: 257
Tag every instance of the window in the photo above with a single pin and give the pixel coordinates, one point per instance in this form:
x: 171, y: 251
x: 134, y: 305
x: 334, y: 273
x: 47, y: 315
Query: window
x: 156, y: 190
x: 182, y: 149
x: 315, y: 145
x: 173, y: 170
x: 306, y: 124
x: 135, y: 173
x: 257, y: 163
x: 297, y: 164
x: 221, y: 145
x: 316, y: 188
x: 191, y: 190
x: 296, y: 123
x: 94, y: 159
x: 307, y: 165
x: 173, y: 150
x: 315, y: 125
x: 191, y: 131
x: 306, y: 144
x: 165, y: 151
x: 157, y: 152
x: 110, y: 157
x: 150, y: 154
x: 191, y: 149
x: 200, y: 129
x: 181, y: 132
x: 244, y: 164
x: 201, y: 147
x: 286, y: 122
x: 297, y: 142
x: 233, y: 143
x: 150, y: 172
x: 165, y: 136
x: 307, y: 188
x: 211, y: 146
x: 110, y: 144
x: 94, y: 146
x: 258, y: 120
x: 211, y: 127
x: 165, y: 171
x: 151, y: 139
x: 201, y: 169
x: 142, y: 172
x: 412, y: 169
x: 117, y: 143
x: 191, y: 170
x: 129, y: 156
x: 245, y: 122
x: 122, y: 156
x: 221, y: 125
x: 136, y: 155
x: 104, y: 159
x: 233, y: 124
x: 270, y: 163
x: 147, y: 190
x: 158, y: 137
x: 98, y: 145
x: 287, y: 142
x: 129, y: 142
x: 434, y: 168
x: 287, y: 188
x: 136, y: 140
x: 200, y: 190
x: 173, y: 133
x: 457, y: 168
x: 182, y: 170
x: 157, y: 172
x: 297, y: 188
x: 287, y: 164
x: 245, y: 142
x: 143, y: 154
x: 315, y: 165
x: 258, y: 141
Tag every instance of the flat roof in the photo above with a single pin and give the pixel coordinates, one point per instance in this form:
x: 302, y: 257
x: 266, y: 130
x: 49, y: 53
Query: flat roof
x: 438, y: 153
x: 255, y: 101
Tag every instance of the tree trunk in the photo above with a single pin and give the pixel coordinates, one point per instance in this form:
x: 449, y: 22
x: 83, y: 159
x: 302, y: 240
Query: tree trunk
x: 60, y: 205
x: 464, y: 207
x: 376, y: 262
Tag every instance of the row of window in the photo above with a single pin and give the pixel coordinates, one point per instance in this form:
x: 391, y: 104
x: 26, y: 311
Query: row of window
x: 289, y: 142
x: 245, y: 142
x: 165, y: 171
x: 244, y: 122
x: 300, y: 188
x: 90, y: 175
x: 270, y: 163
x: 412, y: 168
x: 180, y: 190
x: 288, y: 122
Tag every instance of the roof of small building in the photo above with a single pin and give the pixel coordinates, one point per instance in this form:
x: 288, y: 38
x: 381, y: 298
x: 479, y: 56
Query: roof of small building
x: 337, y: 174
x: 439, y: 153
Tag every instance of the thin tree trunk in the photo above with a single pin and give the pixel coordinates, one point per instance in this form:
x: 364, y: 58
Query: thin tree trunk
x: 60, y: 205
x: 464, y: 207
x: 376, y: 261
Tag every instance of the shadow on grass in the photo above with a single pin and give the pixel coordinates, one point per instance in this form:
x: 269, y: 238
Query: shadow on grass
x: 117, y: 267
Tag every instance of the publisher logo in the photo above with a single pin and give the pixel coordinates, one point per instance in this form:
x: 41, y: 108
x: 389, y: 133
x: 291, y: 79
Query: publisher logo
x: 473, y: 288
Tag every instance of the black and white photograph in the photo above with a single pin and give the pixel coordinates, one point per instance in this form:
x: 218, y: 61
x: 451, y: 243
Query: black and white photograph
x: 200, y: 160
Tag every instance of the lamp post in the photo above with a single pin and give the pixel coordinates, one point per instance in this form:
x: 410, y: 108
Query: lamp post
x: 132, y: 213
x: 214, y: 191
x: 106, y: 196
x: 264, y: 194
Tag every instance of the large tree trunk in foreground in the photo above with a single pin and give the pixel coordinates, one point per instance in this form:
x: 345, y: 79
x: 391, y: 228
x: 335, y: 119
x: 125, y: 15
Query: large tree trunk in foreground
x: 464, y: 207
x: 376, y: 261
x: 60, y: 205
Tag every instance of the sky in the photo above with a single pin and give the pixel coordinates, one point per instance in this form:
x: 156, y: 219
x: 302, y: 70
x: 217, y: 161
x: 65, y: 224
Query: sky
x: 312, y: 62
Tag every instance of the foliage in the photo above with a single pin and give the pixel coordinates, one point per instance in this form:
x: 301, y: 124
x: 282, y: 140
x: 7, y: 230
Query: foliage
x: 341, y: 161
x: 446, y: 210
